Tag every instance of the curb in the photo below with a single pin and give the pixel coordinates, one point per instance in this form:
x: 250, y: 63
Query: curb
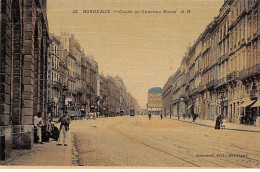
x: 253, y: 131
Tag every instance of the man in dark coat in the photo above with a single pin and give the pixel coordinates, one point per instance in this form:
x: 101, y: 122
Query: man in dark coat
x: 54, y: 132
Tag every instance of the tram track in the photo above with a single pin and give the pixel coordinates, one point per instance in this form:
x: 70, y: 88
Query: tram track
x: 220, y: 163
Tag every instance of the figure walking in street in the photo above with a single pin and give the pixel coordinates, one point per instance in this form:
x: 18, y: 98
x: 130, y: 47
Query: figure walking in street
x: 149, y: 116
x: 194, y: 116
x: 218, y: 121
x: 161, y: 116
x: 64, y: 127
x: 38, y: 123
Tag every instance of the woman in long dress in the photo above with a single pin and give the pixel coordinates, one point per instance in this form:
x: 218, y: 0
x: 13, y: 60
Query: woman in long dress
x: 217, y: 125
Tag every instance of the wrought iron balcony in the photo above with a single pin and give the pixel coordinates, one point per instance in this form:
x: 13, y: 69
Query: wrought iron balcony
x: 222, y: 58
x: 243, y: 74
x: 184, y: 95
x: 194, y: 90
x: 56, y: 84
x: 210, y: 84
x: 202, y: 88
x: 233, y: 76
x: 221, y: 82
x: 254, y: 70
x: 216, y: 83
x: 253, y: 93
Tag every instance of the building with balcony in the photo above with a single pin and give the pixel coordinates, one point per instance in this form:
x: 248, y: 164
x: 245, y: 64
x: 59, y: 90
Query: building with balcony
x: 154, y: 103
x: 54, y: 85
x: 94, y: 98
x: 223, y: 67
x: 66, y: 41
x: 85, y: 84
x: 113, y: 97
x: 124, y: 102
x: 134, y: 106
x: 167, y: 97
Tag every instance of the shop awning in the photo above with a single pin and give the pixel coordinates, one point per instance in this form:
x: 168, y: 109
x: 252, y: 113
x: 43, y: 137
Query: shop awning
x: 247, y: 103
x: 256, y: 104
x: 189, y: 106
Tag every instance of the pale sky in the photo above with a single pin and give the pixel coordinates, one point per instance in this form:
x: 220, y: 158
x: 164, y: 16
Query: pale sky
x: 144, y: 49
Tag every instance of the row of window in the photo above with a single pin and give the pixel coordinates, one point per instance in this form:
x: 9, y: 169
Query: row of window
x: 237, y: 62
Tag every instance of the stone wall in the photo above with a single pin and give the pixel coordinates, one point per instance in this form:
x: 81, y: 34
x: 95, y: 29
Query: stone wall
x: 24, y: 36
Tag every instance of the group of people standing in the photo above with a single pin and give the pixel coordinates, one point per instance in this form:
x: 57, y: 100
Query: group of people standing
x: 43, y: 132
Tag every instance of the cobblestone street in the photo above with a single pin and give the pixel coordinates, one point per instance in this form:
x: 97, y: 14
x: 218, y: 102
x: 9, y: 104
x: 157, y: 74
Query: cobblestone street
x: 136, y: 141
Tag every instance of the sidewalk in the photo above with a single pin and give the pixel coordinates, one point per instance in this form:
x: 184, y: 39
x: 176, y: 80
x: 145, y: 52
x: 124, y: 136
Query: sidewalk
x: 228, y: 126
x: 47, y: 154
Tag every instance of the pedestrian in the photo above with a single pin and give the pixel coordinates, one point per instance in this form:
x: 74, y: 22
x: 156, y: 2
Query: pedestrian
x: 54, y: 132
x: 194, y: 117
x: 161, y: 116
x: 149, y: 116
x: 46, y: 129
x: 64, y: 127
x: 218, y: 121
x: 38, y: 123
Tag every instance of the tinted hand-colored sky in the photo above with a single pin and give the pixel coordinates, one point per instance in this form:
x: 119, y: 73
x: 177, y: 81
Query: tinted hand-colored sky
x: 144, y: 49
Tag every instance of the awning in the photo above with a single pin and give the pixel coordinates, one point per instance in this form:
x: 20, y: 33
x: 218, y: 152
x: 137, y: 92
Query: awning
x: 257, y: 104
x: 189, y: 106
x: 247, y: 103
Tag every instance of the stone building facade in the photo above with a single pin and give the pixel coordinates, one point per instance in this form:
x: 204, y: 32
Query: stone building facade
x: 222, y: 67
x: 54, y: 80
x: 93, y: 85
x: 113, y: 96
x: 87, y: 90
x: 85, y: 84
x: 23, y: 71
x: 167, y: 97
x: 134, y: 106
x: 124, y: 102
x: 154, y: 103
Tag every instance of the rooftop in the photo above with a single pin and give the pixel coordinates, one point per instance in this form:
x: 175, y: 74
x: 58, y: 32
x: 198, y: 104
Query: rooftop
x: 155, y: 90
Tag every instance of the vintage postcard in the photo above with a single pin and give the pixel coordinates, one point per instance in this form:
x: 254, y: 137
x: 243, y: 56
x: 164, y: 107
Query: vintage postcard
x: 130, y: 84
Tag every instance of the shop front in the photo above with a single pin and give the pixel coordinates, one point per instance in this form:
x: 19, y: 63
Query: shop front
x: 248, y: 112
